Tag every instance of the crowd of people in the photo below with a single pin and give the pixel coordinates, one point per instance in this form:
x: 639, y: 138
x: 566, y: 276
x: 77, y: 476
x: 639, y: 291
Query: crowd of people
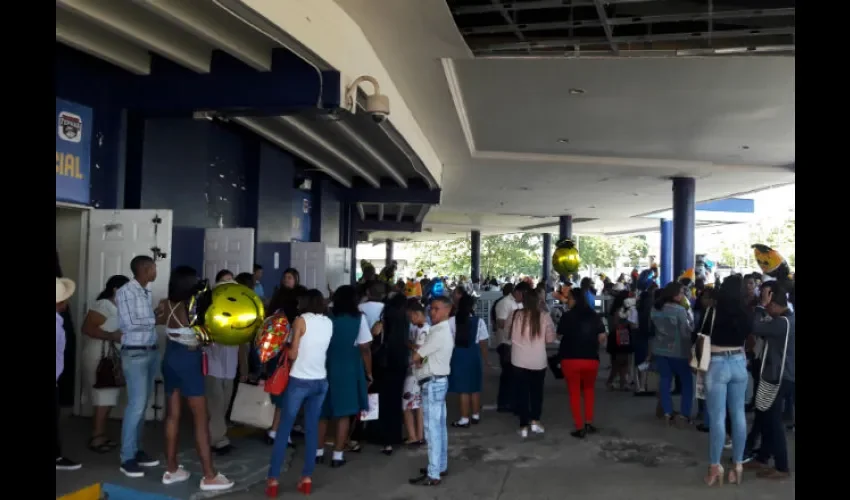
x: 413, y: 350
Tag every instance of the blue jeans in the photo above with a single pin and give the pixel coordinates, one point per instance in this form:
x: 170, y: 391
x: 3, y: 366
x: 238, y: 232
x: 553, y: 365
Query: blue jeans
x: 436, y: 432
x: 139, y: 367
x: 310, y: 394
x: 667, y: 368
x: 726, y: 387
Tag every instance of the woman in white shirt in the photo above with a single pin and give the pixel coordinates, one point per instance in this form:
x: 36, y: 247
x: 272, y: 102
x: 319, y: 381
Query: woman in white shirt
x: 102, y: 336
x: 308, y: 384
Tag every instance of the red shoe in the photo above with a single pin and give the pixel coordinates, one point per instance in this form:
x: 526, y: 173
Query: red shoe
x: 271, y: 488
x: 305, y: 486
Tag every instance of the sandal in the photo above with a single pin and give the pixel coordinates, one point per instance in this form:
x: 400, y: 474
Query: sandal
x: 103, y: 446
x: 353, y: 447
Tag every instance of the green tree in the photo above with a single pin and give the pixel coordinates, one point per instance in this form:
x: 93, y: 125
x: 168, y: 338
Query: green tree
x: 596, y: 252
x: 501, y: 255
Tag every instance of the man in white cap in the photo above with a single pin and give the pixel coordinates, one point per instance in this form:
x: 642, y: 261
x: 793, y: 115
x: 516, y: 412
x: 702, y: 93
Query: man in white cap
x: 64, y: 290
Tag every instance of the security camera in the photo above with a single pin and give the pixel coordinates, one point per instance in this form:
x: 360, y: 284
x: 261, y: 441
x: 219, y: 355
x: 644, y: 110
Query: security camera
x: 377, y: 104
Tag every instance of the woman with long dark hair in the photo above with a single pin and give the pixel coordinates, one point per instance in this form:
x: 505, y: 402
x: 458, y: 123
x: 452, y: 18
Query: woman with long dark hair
x: 349, y: 371
x: 308, y: 384
x: 390, y: 360
x: 183, y: 375
x: 102, y: 337
x: 671, y: 350
x: 582, y: 332
x: 727, y: 377
x: 471, y: 336
x: 529, y: 330
x: 284, y: 301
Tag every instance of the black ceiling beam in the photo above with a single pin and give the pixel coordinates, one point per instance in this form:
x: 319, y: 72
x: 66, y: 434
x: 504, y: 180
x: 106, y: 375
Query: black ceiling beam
x: 534, y: 5
x: 633, y: 20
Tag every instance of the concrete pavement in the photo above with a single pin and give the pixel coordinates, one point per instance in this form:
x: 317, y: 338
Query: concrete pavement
x: 634, y: 456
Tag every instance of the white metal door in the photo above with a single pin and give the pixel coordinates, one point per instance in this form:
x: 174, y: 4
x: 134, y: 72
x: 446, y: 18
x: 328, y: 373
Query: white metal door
x: 228, y: 248
x: 115, y: 237
x: 338, y: 270
x: 309, y: 260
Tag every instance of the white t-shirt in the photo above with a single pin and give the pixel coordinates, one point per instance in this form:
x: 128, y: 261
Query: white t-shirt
x: 364, y: 335
x: 372, y: 311
x: 480, y: 336
x: 504, y: 309
x: 313, y: 350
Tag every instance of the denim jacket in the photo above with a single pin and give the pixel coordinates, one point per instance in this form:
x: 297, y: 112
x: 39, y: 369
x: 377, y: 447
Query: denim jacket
x: 673, y: 328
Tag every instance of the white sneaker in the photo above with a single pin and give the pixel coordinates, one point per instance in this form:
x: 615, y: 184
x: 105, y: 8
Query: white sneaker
x: 523, y: 433
x: 728, y: 444
x: 178, y: 476
x: 537, y: 429
x: 219, y: 483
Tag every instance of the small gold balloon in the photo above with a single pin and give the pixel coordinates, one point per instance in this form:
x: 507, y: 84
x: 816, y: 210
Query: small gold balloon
x: 234, y: 314
x: 565, y: 259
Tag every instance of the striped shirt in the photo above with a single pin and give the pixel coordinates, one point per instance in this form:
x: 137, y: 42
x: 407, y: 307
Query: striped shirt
x: 135, y: 315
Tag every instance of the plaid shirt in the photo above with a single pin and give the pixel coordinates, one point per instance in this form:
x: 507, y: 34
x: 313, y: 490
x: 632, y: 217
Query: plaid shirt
x: 135, y: 315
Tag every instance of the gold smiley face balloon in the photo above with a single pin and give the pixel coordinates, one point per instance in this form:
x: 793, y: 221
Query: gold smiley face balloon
x: 565, y: 259
x: 233, y: 315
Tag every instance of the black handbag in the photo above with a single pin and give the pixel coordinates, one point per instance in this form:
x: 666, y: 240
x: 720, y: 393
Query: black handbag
x: 109, y: 373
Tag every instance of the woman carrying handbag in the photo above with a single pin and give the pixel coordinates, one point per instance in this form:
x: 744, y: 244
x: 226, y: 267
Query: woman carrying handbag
x: 774, y: 322
x: 102, y: 374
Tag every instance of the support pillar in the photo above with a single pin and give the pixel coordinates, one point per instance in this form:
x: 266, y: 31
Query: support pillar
x: 475, y: 240
x: 565, y: 227
x: 390, y: 256
x: 684, y: 223
x: 565, y: 230
x: 666, y: 260
x: 547, y: 257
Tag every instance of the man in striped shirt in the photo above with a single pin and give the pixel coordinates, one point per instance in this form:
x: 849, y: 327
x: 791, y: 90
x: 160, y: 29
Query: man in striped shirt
x: 139, y: 361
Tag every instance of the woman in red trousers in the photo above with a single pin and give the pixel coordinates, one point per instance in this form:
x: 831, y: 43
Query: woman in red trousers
x: 582, y: 332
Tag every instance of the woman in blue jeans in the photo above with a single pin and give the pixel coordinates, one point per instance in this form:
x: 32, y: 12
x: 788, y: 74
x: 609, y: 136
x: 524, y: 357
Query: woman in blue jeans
x: 727, y: 377
x: 671, y: 350
x: 308, y: 384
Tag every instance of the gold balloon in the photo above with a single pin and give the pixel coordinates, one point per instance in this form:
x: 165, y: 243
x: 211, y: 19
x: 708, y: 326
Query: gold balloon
x: 234, y: 314
x: 565, y: 260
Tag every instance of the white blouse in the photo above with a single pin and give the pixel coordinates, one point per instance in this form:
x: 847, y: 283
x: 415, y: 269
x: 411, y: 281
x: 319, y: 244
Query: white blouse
x: 481, y: 335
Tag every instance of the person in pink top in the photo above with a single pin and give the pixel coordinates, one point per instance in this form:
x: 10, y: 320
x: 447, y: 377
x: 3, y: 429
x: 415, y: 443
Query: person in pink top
x: 529, y: 330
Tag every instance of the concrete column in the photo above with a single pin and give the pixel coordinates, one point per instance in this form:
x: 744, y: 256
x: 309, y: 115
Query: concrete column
x: 565, y: 227
x: 390, y: 256
x: 666, y: 259
x: 684, y: 223
x: 547, y: 256
x: 475, y: 240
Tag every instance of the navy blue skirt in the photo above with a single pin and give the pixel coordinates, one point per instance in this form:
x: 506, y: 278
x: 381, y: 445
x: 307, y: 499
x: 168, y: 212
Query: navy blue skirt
x: 466, y: 366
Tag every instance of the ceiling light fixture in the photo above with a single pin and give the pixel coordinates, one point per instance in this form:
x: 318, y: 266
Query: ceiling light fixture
x: 563, y: 140
x: 576, y: 91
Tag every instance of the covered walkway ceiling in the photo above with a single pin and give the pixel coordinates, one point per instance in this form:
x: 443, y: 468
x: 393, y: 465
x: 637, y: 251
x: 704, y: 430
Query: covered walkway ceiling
x: 528, y: 137
x: 352, y: 149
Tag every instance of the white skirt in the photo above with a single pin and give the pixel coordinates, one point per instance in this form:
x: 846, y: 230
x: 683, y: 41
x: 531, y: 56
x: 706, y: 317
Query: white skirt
x: 91, y: 358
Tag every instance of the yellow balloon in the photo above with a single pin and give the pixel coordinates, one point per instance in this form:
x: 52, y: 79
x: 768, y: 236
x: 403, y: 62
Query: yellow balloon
x: 234, y: 314
x: 565, y: 260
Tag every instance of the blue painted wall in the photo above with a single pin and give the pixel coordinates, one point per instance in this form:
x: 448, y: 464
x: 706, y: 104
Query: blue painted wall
x: 275, y: 194
x: 89, y: 81
x: 331, y: 210
x: 199, y: 169
x: 196, y: 168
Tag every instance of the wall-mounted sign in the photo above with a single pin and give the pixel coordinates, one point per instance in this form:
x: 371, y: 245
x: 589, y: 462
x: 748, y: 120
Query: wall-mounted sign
x: 73, y: 152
